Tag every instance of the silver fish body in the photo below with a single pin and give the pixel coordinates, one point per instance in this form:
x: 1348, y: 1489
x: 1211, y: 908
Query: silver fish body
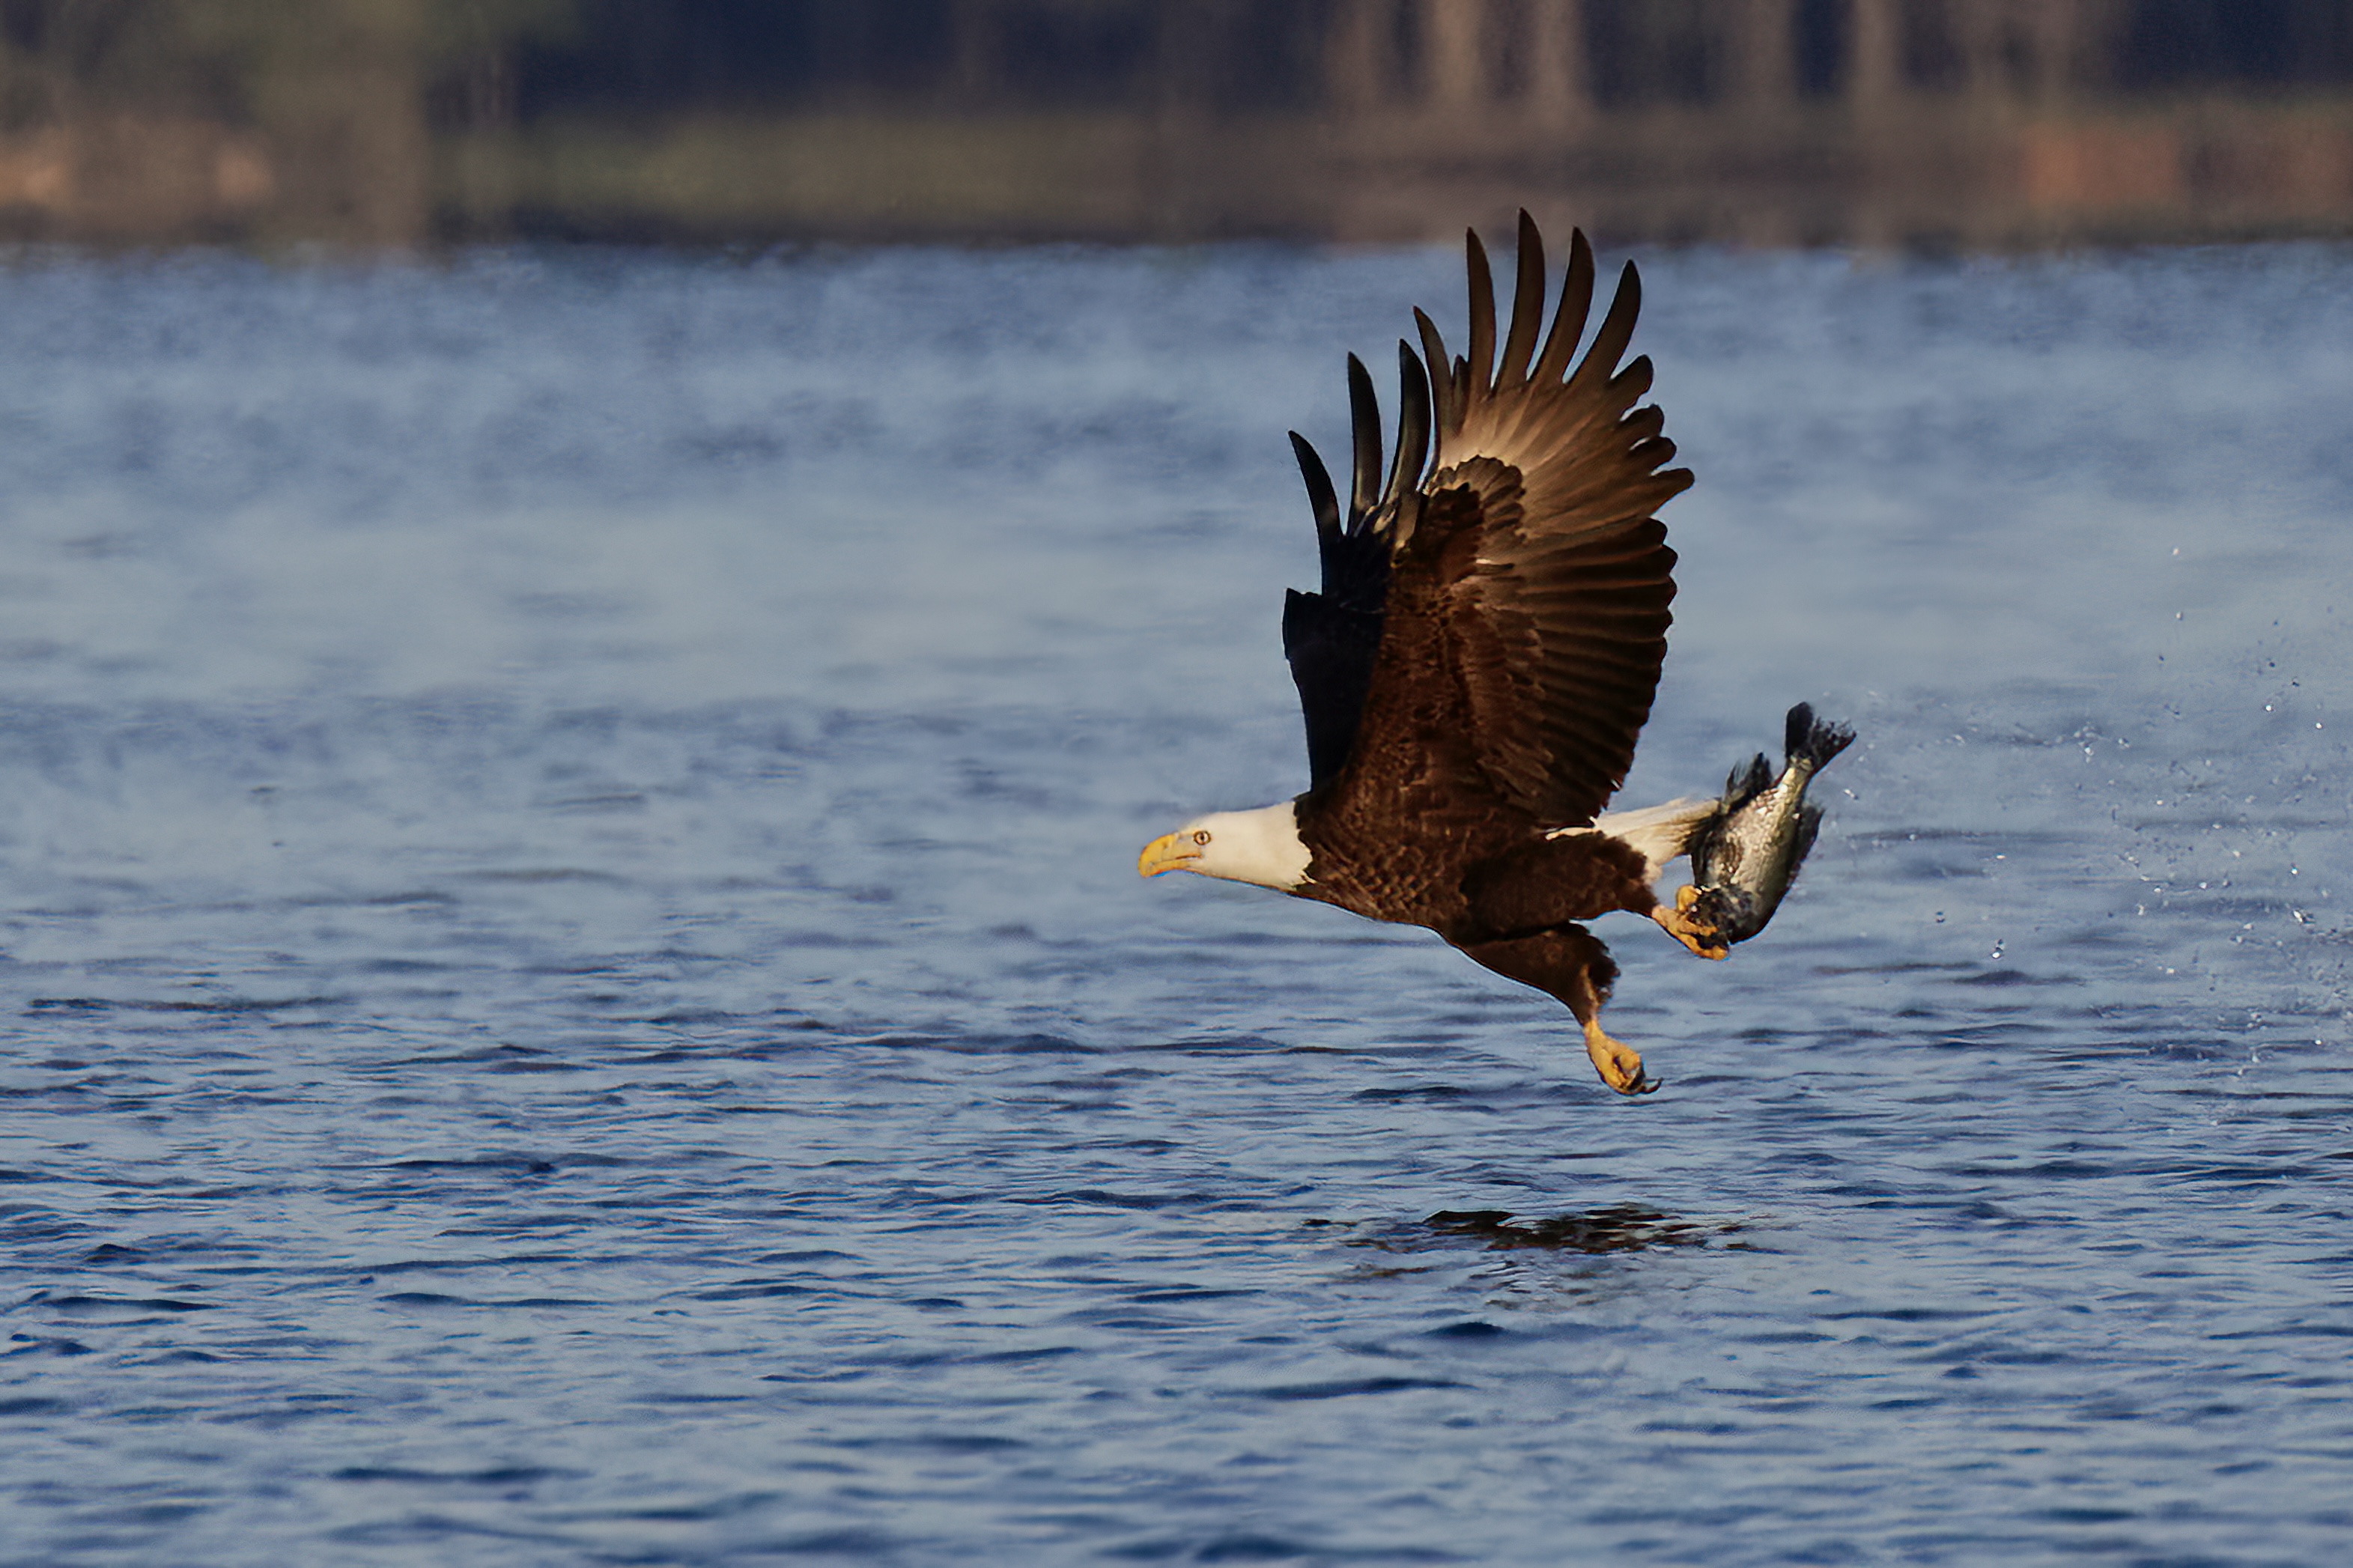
x: 1744, y: 857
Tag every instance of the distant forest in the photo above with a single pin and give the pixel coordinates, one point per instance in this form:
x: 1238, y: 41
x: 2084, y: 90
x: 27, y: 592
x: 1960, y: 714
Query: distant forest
x: 622, y: 56
x: 402, y: 123
x: 523, y: 61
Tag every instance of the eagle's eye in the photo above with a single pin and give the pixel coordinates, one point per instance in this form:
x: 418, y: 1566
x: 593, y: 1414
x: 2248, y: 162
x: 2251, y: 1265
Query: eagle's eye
x: 1201, y: 836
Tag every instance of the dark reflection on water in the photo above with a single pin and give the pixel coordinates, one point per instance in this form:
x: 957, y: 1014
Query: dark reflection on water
x: 574, y: 988
x: 1619, y: 1227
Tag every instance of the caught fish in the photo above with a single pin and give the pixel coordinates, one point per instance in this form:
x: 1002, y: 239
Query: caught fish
x: 1744, y: 857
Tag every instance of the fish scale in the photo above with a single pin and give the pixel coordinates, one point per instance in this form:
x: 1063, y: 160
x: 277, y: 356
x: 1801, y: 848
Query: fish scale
x: 1744, y: 857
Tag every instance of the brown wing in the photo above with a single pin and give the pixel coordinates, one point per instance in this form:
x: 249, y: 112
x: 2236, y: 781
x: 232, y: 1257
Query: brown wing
x: 1527, y: 603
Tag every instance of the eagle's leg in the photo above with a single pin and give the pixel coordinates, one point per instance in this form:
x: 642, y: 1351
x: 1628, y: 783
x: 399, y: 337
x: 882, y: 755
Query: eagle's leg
x: 1570, y: 963
x: 1688, y: 928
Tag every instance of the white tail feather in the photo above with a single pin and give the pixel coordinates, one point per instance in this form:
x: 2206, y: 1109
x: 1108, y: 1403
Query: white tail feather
x: 1659, y: 832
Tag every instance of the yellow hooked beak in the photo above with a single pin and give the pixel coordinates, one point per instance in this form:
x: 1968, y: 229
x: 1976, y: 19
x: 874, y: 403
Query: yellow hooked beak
x: 1170, y: 852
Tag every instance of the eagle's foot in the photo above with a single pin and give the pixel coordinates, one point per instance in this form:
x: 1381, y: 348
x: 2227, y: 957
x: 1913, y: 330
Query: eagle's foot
x: 1688, y: 928
x: 1621, y: 1066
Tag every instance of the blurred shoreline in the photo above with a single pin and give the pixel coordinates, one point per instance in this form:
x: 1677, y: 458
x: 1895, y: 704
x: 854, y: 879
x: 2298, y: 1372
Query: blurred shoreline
x: 1938, y: 179
x: 1909, y: 124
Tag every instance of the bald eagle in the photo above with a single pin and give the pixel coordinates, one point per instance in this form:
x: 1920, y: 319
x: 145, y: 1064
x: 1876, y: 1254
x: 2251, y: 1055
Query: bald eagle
x: 1483, y: 656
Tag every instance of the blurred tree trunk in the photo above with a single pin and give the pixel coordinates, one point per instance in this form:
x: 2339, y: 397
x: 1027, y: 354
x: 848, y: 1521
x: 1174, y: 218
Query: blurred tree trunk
x: 1763, y: 44
x: 1559, y: 80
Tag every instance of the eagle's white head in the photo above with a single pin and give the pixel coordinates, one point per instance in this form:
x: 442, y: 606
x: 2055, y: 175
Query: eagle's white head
x: 1262, y: 846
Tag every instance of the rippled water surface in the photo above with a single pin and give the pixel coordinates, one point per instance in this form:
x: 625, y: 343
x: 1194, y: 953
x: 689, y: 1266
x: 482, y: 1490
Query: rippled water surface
x: 575, y: 989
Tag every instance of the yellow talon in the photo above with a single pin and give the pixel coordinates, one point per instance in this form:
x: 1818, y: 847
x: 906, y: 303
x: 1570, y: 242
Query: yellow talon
x: 1694, y: 933
x: 1620, y: 1064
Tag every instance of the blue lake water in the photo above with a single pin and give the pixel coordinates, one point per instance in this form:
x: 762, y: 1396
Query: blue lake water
x: 575, y: 989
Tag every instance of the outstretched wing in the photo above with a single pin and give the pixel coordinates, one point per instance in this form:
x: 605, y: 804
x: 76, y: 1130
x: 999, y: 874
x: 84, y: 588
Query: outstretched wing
x: 1525, y: 617
x: 1330, y: 637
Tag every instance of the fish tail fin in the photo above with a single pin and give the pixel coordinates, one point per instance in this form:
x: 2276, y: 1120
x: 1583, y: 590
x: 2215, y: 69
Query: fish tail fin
x: 1813, y: 742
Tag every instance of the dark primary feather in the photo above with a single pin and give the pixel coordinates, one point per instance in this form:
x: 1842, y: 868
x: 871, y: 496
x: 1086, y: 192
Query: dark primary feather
x: 1528, y: 310
x: 1413, y: 428
x: 1330, y: 650
x: 1330, y: 636
x: 1482, y: 316
x: 1321, y: 496
x: 1568, y: 321
x: 1444, y: 412
x: 1365, y: 433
